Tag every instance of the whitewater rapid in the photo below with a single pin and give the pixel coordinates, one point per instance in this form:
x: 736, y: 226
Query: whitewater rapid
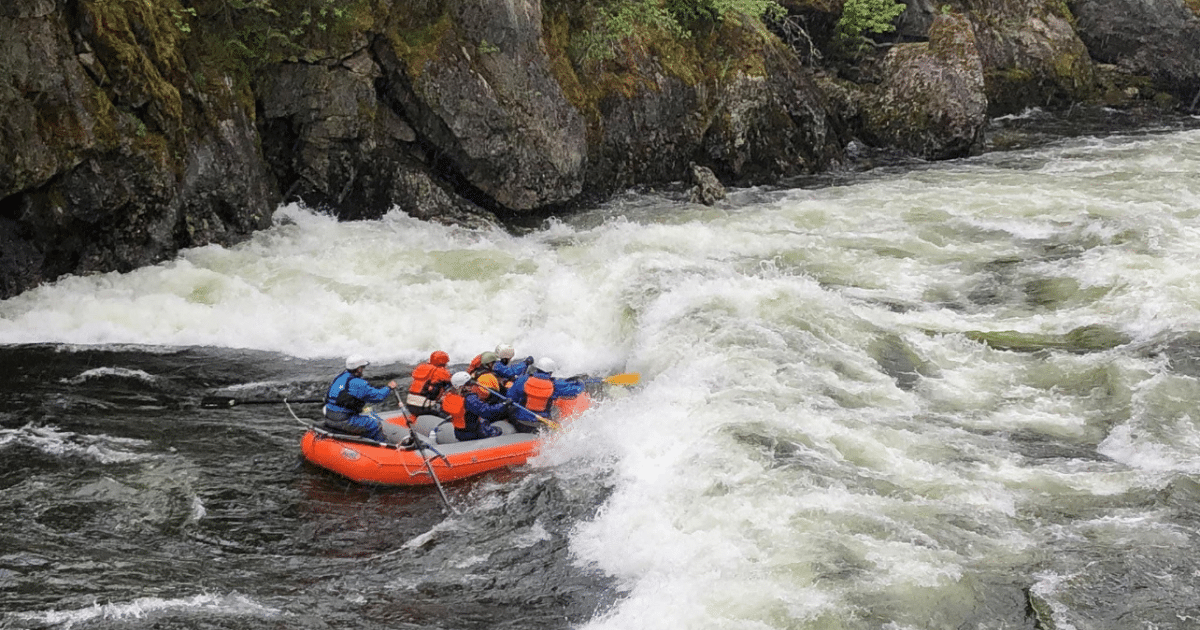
x: 817, y: 441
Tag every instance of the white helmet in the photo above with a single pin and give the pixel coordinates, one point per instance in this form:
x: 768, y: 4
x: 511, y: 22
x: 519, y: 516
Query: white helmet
x: 545, y: 364
x: 505, y: 351
x: 459, y: 379
x: 356, y: 361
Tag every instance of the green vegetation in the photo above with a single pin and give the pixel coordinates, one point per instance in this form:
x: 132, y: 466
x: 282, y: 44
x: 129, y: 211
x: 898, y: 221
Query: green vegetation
x: 687, y: 11
x: 242, y: 35
x: 233, y: 39
x: 868, y: 16
x: 616, y: 23
x: 182, y: 18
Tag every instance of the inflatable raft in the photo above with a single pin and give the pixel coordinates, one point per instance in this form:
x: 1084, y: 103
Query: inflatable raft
x: 409, y: 464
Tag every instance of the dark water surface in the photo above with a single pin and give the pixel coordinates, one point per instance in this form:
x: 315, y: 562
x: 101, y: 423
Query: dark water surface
x: 123, y: 504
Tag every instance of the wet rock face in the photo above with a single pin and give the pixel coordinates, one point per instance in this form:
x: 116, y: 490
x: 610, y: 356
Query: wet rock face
x: 772, y: 126
x: 42, y: 84
x: 1031, y: 54
x: 932, y: 101
x: 1156, y: 38
x: 490, y: 104
x: 751, y: 120
x: 101, y: 169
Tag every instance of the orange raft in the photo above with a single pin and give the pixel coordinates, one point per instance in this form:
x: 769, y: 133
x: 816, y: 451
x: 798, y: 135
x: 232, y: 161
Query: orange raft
x: 370, y: 462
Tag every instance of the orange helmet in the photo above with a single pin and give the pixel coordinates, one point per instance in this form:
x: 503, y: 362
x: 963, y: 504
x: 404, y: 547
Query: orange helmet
x: 489, y: 381
x: 439, y: 358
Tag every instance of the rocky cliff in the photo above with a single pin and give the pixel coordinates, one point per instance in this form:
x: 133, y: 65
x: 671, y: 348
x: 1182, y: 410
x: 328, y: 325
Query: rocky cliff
x: 133, y: 129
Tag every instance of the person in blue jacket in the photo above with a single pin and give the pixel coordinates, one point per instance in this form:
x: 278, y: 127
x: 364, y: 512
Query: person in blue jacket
x: 535, y: 391
x: 348, y: 395
x: 470, y: 407
x: 507, y: 369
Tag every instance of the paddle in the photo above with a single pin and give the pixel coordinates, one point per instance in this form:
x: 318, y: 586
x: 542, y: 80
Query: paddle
x: 224, y: 402
x: 421, y: 446
x: 550, y: 423
x: 631, y: 378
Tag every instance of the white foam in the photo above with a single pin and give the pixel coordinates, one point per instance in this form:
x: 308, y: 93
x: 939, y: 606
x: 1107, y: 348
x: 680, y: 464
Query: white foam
x: 118, y: 372
x: 51, y: 440
x: 147, y: 608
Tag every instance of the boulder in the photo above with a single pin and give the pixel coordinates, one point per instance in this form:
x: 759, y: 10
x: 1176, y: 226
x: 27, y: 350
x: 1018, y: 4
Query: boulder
x: 931, y: 102
x: 1159, y: 39
x: 1031, y: 55
x: 752, y: 118
x: 706, y: 188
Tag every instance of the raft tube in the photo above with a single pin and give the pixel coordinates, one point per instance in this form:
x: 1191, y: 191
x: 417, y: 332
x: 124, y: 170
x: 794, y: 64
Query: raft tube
x: 369, y: 462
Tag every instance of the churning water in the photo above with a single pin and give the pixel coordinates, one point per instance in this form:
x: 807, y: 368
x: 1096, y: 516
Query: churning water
x: 960, y: 395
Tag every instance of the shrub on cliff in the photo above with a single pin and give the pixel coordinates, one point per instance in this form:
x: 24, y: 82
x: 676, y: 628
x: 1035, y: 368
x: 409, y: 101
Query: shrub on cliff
x: 242, y: 35
x: 617, y: 22
x: 868, y: 16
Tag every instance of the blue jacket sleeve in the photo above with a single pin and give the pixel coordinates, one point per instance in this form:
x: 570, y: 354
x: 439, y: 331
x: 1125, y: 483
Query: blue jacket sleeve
x: 361, y: 389
x: 508, y: 372
x: 567, y: 389
x: 517, y: 391
x: 482, y: 409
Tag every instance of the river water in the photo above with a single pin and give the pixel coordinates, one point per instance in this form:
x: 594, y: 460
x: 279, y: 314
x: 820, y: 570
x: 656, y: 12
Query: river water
x: 944, y: 396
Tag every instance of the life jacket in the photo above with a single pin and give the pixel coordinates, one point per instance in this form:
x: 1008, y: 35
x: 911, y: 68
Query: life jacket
x: 429, y: 380
x: 454, y: 405
x: 339, y: 394
x: 476, y: 367
x: 538, y: 392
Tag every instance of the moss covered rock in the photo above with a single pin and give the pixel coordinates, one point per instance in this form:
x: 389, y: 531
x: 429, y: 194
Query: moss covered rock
x: 1031, y: 54
x: 931, y: 102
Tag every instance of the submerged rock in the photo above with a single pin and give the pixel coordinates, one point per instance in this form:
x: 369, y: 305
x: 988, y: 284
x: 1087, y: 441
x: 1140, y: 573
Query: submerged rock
x: 1039, y: 611
x: 898, y: 360
x: 1093, y: 338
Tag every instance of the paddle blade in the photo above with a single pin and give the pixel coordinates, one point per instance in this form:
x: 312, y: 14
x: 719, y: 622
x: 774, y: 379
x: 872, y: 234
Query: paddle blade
x: 225, y: 402
x: 631, y: 378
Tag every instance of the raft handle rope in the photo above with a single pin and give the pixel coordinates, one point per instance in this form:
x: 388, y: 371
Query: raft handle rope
x: 412, y: 435
x: 345, y: 437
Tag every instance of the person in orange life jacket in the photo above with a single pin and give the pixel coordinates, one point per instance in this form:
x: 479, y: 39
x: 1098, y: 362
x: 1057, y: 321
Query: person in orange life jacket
x: 499, y: 363
x: 429, y: 380
x: 469, y: 412
x: 536, y: 392
x: 482, y: 363
x: 348, y: 395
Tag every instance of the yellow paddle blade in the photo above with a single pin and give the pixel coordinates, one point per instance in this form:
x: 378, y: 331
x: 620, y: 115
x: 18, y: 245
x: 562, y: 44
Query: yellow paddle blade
x: 631, y: 378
